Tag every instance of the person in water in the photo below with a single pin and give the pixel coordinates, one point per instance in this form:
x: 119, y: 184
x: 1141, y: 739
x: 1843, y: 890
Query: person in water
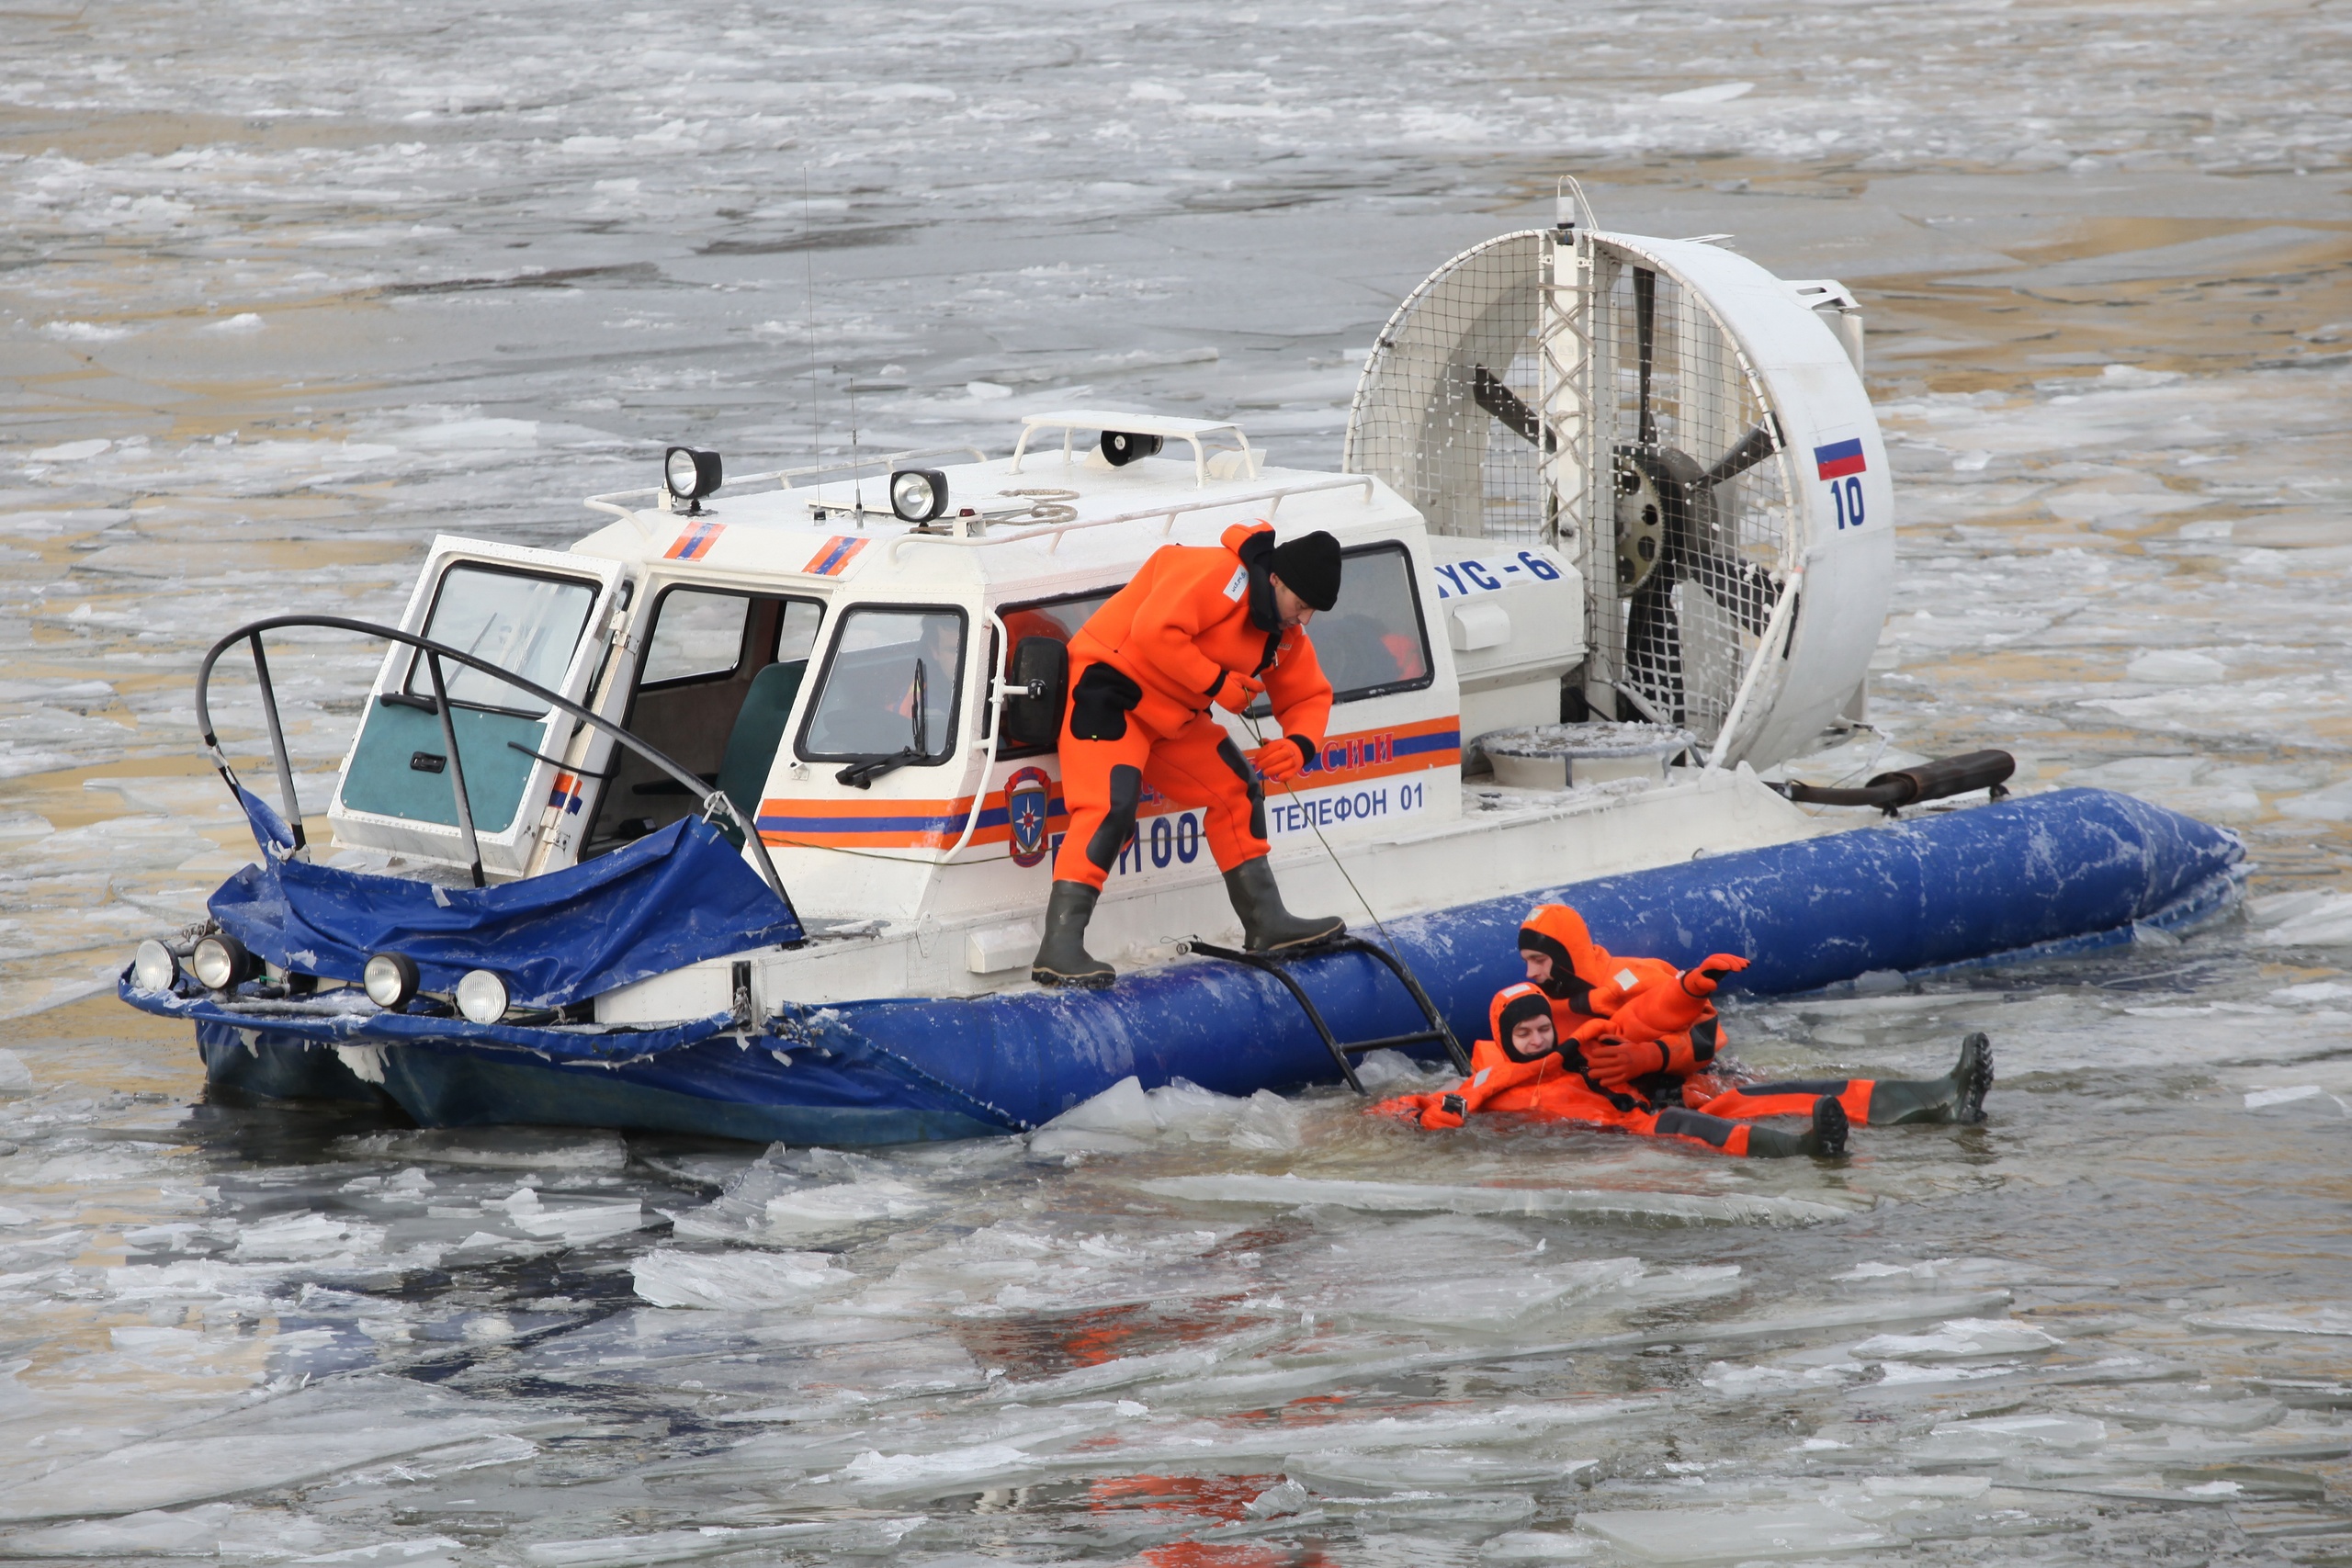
x: 1642, y: 1037
x: 1523, y: 1067
x: 1643, y: 1027
x: 1199, y: 627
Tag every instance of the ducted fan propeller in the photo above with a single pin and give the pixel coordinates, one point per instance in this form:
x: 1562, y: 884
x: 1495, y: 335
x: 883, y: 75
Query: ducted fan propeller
x: 1670, y: 527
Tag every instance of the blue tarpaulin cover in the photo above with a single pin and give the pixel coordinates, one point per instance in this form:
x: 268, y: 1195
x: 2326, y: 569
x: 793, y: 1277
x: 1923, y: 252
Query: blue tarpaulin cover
x: 673, y: 898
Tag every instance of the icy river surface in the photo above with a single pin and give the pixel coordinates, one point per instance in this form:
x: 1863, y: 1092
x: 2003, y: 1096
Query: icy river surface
x: 284, y: 289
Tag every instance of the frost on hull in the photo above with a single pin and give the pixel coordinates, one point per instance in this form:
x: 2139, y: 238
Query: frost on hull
x: 2073, y: 868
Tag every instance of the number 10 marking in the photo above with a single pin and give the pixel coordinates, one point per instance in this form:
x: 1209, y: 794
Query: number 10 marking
x: 1848, y: 499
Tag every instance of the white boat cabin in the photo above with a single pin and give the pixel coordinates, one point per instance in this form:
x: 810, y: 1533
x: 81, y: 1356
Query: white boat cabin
x: 841, y: 673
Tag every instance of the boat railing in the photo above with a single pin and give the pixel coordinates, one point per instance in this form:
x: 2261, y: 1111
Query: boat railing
x: 1271, y: 500
x: 713, y: 801
x: 612, y: 501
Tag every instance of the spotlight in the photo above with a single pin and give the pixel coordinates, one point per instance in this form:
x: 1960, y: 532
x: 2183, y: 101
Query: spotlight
x: 690, y: 475
x: 481, y: 997
x: 1121, y: 447
x: 221, y: 963
x: 918, y: 495
x: 390, y: 980
x: 152, y: 967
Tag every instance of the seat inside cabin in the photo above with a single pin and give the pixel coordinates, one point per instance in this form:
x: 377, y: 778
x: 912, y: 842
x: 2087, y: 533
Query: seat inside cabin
x: 714, y: 692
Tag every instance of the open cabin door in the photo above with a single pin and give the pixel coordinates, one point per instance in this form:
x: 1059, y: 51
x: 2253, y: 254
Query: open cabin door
x: 549, y: 617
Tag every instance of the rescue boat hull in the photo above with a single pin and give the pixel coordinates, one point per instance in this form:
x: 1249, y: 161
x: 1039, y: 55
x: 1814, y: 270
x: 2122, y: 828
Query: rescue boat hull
x: 2057, y: 873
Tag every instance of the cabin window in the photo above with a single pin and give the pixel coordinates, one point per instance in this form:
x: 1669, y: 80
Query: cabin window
x: 715, y: 691
x: 1056, y: 618
x: 1372, y: 642
x: 527, y: 624
x: 889, y: 686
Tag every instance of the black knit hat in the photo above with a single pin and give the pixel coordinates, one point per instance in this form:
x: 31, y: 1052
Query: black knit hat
x: 1519, y: 1010
x: 1309, y: 567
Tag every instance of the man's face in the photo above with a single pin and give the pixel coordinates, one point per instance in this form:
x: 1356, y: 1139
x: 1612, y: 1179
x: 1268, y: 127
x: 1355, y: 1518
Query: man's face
x: 1289, y: 608
x: 1533, y: 1037
x: 1539, y: 966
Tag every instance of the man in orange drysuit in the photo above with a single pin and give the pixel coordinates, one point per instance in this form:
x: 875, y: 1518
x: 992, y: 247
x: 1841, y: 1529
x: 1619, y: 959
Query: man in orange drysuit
x: 1642, y: 1026
x: 1525, y: 1067
x: 1197, y: 628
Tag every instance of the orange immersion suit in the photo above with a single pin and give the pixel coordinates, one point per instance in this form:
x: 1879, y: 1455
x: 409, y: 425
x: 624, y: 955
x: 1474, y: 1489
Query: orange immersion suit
x: 1552, y: 1086
x: 1605, y: 1004
x: 1195, y: 628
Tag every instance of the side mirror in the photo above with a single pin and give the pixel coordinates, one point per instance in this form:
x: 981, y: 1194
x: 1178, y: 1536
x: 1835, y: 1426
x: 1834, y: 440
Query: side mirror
x: 1037, y: 692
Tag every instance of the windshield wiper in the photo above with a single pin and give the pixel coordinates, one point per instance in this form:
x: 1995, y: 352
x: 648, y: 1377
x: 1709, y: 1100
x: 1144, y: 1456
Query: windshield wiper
x: 863, y: 773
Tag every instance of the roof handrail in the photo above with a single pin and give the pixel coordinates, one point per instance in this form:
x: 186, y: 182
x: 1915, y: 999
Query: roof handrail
x: 1167, y: 427
x: 1273, y: 498
x: 713, y: 800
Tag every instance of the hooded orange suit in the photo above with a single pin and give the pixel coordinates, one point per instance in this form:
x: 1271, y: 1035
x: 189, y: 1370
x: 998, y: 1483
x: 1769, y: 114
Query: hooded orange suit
x: 1597, y: 996
x: 1553, y: 1088
x: 1195, y: 626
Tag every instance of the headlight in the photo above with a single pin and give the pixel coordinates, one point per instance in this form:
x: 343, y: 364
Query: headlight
x: 152, y: 967
x: 481, y: 997
x: 221, y: 963
x: 690, y: 475
x: 390, y: 980
x: 918, y: 495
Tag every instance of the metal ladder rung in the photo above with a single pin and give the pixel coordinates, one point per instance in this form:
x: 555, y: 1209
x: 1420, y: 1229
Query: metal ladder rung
x: 1277, y: 965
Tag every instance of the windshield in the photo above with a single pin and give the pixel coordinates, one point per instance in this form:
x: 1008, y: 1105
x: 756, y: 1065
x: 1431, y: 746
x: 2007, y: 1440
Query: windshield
x: 1370, y: 642
x: 527, y: 624
x: 889, y: 687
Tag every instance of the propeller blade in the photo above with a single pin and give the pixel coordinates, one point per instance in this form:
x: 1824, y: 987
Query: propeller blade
x: 1653, y: 648
x: 1507, y: 406
x: 1753, y: 448
x: 1645, y: 347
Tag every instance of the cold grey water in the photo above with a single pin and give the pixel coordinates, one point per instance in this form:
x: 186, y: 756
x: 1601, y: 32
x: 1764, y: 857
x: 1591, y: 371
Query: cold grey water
x: 287, y: 290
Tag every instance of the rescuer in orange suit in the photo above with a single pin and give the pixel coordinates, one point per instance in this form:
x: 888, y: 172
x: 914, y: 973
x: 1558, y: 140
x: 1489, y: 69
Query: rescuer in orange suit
x: 1199, y: 627
x: 1525, y: 1067
x: 1640, y: 1026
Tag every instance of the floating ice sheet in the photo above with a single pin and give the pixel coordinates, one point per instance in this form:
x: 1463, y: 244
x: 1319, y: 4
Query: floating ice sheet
x: 495, y: 1148
x: 672, y: 1276
x: 1731, y: 1535
x: 169, y: 1472
x: 2303, y: 1318
x: 1406, y: 1198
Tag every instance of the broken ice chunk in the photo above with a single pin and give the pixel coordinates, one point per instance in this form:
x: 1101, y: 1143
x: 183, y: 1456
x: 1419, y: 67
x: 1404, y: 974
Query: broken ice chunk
x: 170, y: 1471
x: 737, y: 1280
x: 2298, y: 1318
x: 1423, y: 1198
x: 493, y: 1148
x: 1731, y: 1535
x: 1538, y: 1546
x: 1998, y: 1437
x: 1958, y: 1338
x: 1428, y: 1470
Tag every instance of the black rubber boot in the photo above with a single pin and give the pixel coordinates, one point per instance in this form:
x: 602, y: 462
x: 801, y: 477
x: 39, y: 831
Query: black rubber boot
x: 1265, y: 924
x: 1062, y: 958
x: 1959, y: 1095
x: 1826, y: 1139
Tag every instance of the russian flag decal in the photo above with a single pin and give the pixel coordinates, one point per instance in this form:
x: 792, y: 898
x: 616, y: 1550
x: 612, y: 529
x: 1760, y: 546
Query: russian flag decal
x: 695, y: 542
x: 832, y: 560
x: 1839, y: 459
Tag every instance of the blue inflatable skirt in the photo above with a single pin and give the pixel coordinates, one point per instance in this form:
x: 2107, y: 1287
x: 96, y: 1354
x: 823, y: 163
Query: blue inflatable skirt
x: 2055, y: 874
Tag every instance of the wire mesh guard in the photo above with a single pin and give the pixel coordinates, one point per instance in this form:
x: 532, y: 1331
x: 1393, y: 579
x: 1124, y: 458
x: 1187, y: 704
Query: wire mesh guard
x: 1691, y: 517
x: 1442, y: 412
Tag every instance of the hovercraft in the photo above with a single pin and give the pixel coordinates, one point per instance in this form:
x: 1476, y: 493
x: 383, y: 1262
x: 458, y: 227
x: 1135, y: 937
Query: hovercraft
x: 734, y: 817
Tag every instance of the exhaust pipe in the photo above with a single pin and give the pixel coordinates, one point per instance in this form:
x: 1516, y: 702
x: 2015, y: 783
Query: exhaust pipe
x: 1890, y: 793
